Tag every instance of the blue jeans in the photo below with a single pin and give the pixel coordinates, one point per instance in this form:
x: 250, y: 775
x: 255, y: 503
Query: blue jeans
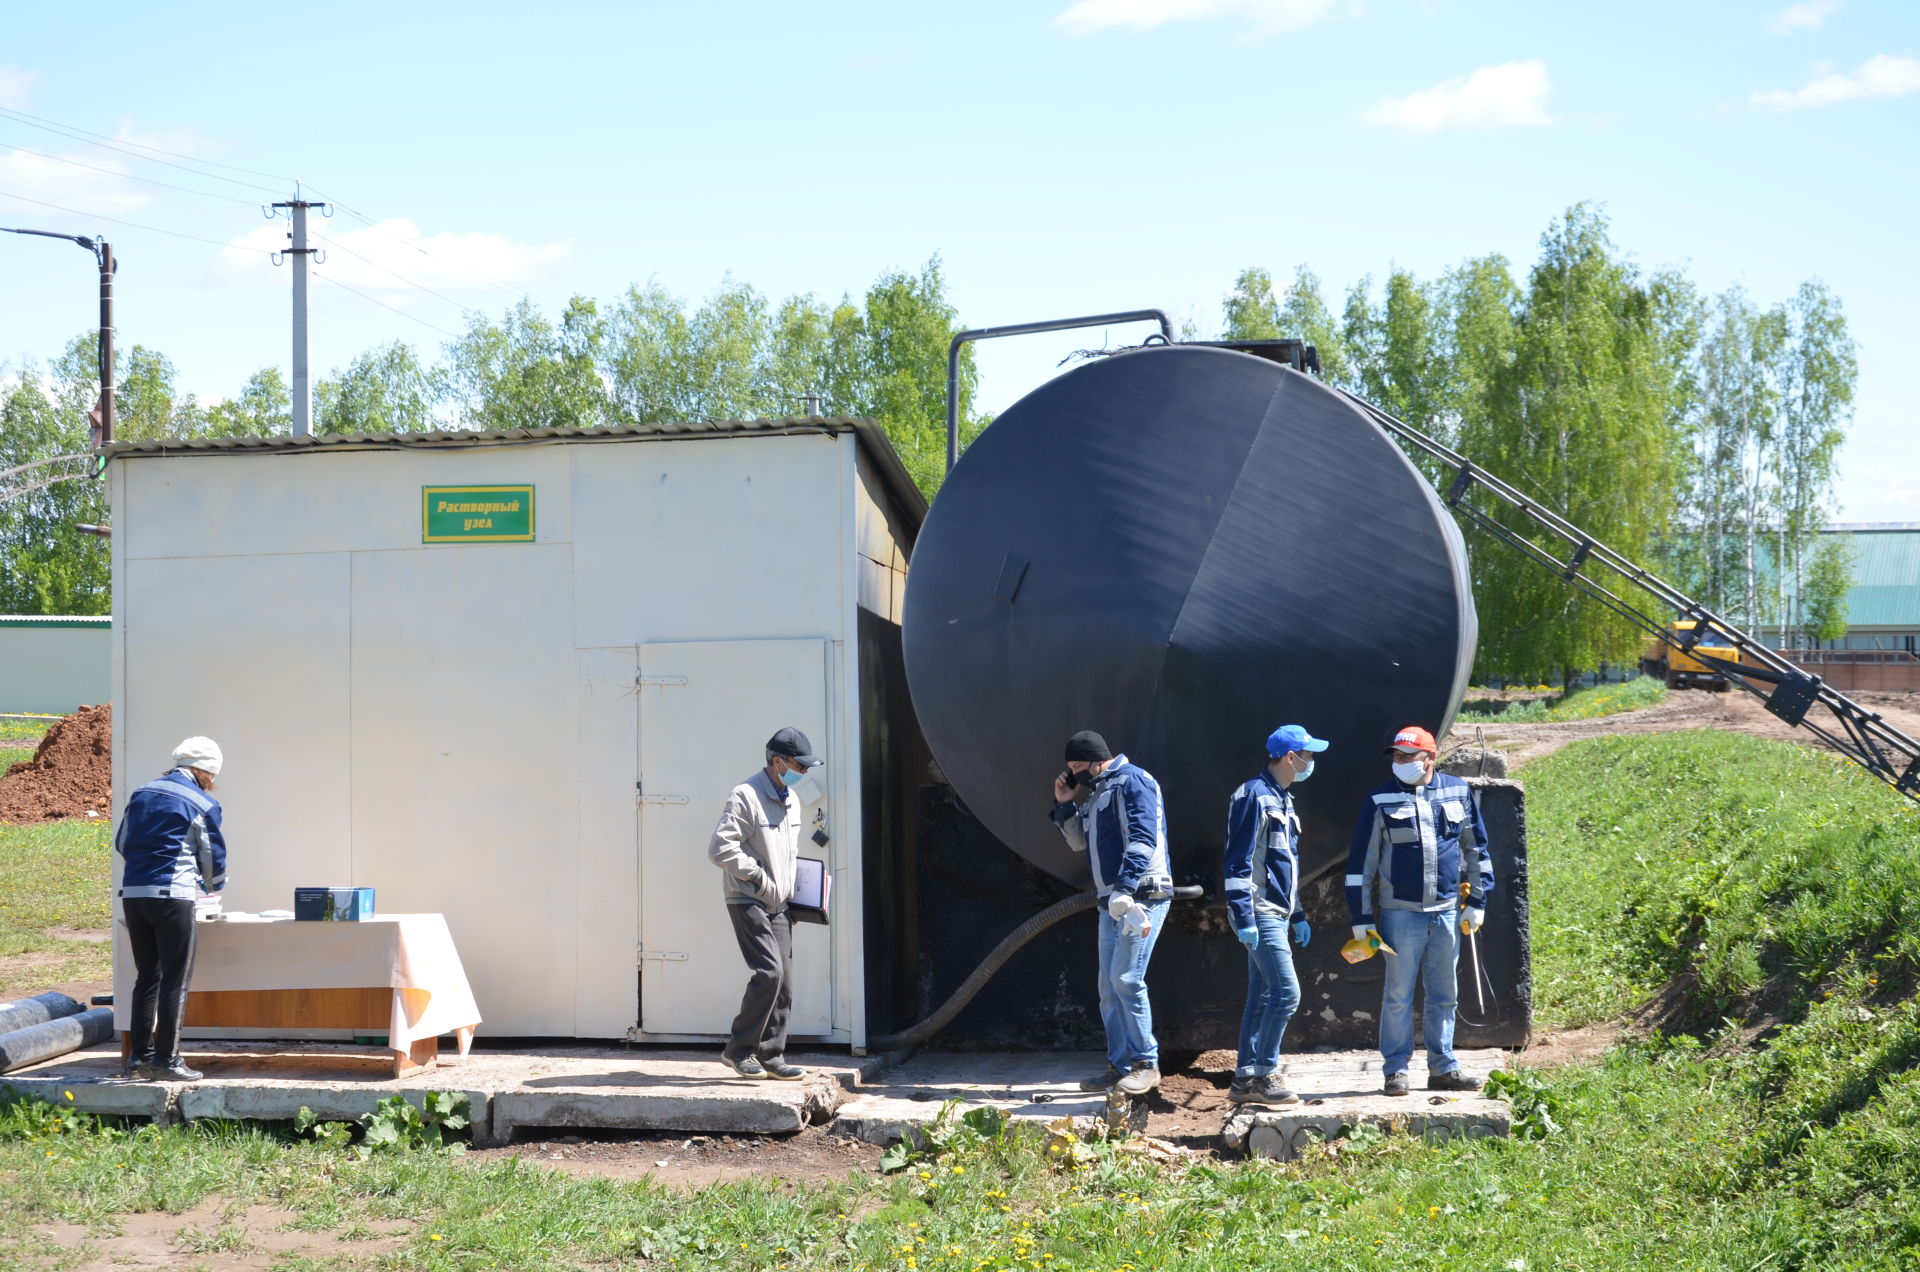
x: 1273, y: 995
x: 1122, y: 977
x: 1427, y: 947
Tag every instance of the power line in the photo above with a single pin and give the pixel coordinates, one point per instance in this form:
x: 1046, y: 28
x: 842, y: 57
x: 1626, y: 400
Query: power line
x: 128, y: 176
x: 397, y: 274
x: 133, y: 148
x: 151, y: 229
x: 371, y: 224
x: 451, y: 335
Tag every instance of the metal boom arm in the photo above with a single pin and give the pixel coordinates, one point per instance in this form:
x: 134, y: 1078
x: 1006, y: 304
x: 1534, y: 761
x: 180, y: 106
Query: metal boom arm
x: 1624, y: 587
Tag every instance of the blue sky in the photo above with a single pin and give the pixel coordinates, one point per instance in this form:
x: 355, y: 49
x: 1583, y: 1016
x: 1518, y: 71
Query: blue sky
x: 1062, y: 157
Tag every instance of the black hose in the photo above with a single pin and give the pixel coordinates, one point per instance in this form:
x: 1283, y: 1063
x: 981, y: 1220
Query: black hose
x: 915, y: 1034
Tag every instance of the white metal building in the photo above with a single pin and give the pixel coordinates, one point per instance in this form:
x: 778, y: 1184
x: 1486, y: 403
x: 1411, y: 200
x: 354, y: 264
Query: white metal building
x: 52, y: 665
x: 512, y: 676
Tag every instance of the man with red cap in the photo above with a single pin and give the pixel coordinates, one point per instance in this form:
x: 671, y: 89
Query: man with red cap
x: 1420, y: 845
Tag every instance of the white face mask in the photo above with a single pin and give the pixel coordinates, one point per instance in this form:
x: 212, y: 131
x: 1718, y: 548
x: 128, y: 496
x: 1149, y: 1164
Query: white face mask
x: 1412, y: 772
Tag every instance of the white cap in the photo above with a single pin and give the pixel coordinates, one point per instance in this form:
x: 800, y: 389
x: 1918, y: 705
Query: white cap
x: 200, y: 753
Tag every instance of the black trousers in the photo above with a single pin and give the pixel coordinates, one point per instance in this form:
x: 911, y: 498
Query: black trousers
x: 766, y: 942
x: 160, y: 930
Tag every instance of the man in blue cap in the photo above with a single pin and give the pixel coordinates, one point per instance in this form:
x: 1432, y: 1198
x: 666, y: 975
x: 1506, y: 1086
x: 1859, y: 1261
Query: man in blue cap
x: 1263, y: 900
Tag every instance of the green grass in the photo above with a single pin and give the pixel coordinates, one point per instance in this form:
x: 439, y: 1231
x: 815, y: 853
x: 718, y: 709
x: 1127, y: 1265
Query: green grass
x: 1581, y: 704
x: 53, y: 875
x: 18, y: 741
x: 1764, y: 886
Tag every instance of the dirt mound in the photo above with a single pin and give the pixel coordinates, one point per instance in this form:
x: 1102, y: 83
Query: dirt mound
x: 70, y: 775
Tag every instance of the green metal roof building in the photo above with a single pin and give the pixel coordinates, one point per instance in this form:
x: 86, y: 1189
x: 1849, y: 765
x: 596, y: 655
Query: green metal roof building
x: 1883, y: 607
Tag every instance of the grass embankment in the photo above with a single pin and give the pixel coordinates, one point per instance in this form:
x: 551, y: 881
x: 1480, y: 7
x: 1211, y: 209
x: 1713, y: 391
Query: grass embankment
x: 1753, y: 880
x: 53, y: 881
x: 1581, y: 704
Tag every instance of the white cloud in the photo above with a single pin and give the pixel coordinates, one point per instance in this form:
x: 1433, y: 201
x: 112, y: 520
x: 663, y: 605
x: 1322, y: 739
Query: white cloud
x: 1511, y: 95
x: 48, y: 179
x: 1085, y: 17
x: 381, y: 260
x: 1882, y: 76
x: 1806, y: 15
x: 15, y: 86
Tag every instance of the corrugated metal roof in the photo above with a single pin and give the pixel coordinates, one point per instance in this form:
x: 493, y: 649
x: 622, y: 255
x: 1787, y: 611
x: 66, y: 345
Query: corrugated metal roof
x: 1886, y: 579
x: 871, y: 436
x: 56, y: 620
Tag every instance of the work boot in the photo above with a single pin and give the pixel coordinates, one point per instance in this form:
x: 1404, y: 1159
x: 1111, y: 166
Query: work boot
x: 1265, y: 1089
x: 1454, y: 1080
x: 177, y: 1070
x: 1396, y: 1084
x: 1104, y: 1082
x: 777, y: 1067
x: 745, y: 1066
x: 1144, y: 1078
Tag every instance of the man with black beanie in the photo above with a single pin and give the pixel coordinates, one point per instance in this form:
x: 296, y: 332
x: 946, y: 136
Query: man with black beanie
x: 1112, y: 811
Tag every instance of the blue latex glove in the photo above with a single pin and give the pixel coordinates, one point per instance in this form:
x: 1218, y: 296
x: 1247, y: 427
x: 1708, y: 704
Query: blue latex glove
x: 1249, y: 937
x: 1302, y: 932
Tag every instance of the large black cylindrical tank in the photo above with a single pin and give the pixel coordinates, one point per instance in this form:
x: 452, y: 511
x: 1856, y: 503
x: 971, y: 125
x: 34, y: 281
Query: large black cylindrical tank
x: 1182, y: 547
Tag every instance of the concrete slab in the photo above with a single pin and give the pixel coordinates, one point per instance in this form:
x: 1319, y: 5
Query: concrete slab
x: 1337, y: 1089
x: 607, y: 1088
x: 1341, y: 1089
x: 911, y: 1094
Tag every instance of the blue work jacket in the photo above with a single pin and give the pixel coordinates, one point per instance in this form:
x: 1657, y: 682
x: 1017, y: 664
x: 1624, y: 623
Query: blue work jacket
x: 170, y: 839
x: 1263, y: 851
x: 1415, y: 845
x: 1122, y: 827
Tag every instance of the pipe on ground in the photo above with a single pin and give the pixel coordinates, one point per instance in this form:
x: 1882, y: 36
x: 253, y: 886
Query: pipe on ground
x: 55, y: 1038
x: 915, y: 1034
x: 37, y: 1010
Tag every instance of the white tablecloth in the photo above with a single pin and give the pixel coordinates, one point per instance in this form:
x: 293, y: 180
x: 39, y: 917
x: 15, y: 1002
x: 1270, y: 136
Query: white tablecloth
x: 413, y: 954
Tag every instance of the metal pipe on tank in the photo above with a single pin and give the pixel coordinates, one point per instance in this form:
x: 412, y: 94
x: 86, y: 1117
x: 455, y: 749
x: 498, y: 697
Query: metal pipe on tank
x: 1026, y: 329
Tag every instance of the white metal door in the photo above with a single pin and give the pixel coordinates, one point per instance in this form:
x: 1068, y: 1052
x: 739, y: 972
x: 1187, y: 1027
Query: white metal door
x: 707, y: 709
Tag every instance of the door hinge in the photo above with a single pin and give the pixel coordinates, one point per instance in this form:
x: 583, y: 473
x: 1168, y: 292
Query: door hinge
x: 641, y: 954
x: 659, y: 680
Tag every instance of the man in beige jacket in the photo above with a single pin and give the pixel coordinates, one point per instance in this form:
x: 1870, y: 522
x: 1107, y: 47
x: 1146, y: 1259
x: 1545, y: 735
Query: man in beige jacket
x: 756, y: 845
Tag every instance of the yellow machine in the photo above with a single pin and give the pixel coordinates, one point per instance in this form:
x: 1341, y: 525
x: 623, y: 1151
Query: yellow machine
x: 1683, y: 670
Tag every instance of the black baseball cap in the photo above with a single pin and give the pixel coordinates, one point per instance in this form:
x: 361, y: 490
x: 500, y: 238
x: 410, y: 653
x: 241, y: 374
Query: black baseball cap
x: 794, y: 745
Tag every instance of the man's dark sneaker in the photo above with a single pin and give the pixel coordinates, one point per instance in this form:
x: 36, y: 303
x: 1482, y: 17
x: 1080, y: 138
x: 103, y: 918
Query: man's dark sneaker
x: 1396, y: 1084
x: 137, y: 1068
x: 1261, y: 1090
x: 746, y: 1066
x: 1143, y: 1079
x: 1455, y: 1080
x: 1104, y: 1082
x: 777, y: 1067
x: 176, y: 1069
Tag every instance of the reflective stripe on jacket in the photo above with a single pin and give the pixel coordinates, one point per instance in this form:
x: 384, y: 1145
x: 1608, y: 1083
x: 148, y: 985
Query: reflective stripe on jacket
x: 1122, y: 827
x: 1417, y: 845
x: 170, y: 839
x: 1263, y: 852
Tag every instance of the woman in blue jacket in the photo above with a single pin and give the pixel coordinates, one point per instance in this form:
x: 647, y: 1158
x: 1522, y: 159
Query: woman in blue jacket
x: 172, y: 851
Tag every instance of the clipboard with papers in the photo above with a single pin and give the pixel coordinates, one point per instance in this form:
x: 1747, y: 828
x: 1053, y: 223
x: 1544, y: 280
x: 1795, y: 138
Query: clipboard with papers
x: 812, y: 891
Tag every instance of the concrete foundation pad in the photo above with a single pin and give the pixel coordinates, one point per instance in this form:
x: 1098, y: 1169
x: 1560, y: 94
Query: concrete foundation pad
x: 1342, y: 1089
x: 602, y: 1088
x: 911, y: 1094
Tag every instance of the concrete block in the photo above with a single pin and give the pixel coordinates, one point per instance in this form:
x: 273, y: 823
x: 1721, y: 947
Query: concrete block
x: 113, y: 1098
x: 767, y: 1110
x: 1284, y: 1133
x: 278, y: 1102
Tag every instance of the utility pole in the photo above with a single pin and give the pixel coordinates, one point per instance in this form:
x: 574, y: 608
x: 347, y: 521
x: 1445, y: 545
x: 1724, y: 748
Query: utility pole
x: 101, y: 416
x: 302, y: 375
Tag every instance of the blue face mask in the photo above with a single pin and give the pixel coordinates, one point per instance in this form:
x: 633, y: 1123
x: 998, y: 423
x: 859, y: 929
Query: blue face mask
x: 791, y: 778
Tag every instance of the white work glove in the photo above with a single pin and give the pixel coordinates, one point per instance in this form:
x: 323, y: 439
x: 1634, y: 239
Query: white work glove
x: 1360, y: 931
x: 1472, y: 921
x: 1118, y: 904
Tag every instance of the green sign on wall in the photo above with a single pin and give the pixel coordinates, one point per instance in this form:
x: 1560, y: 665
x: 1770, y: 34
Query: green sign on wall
x: 476, y: 514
